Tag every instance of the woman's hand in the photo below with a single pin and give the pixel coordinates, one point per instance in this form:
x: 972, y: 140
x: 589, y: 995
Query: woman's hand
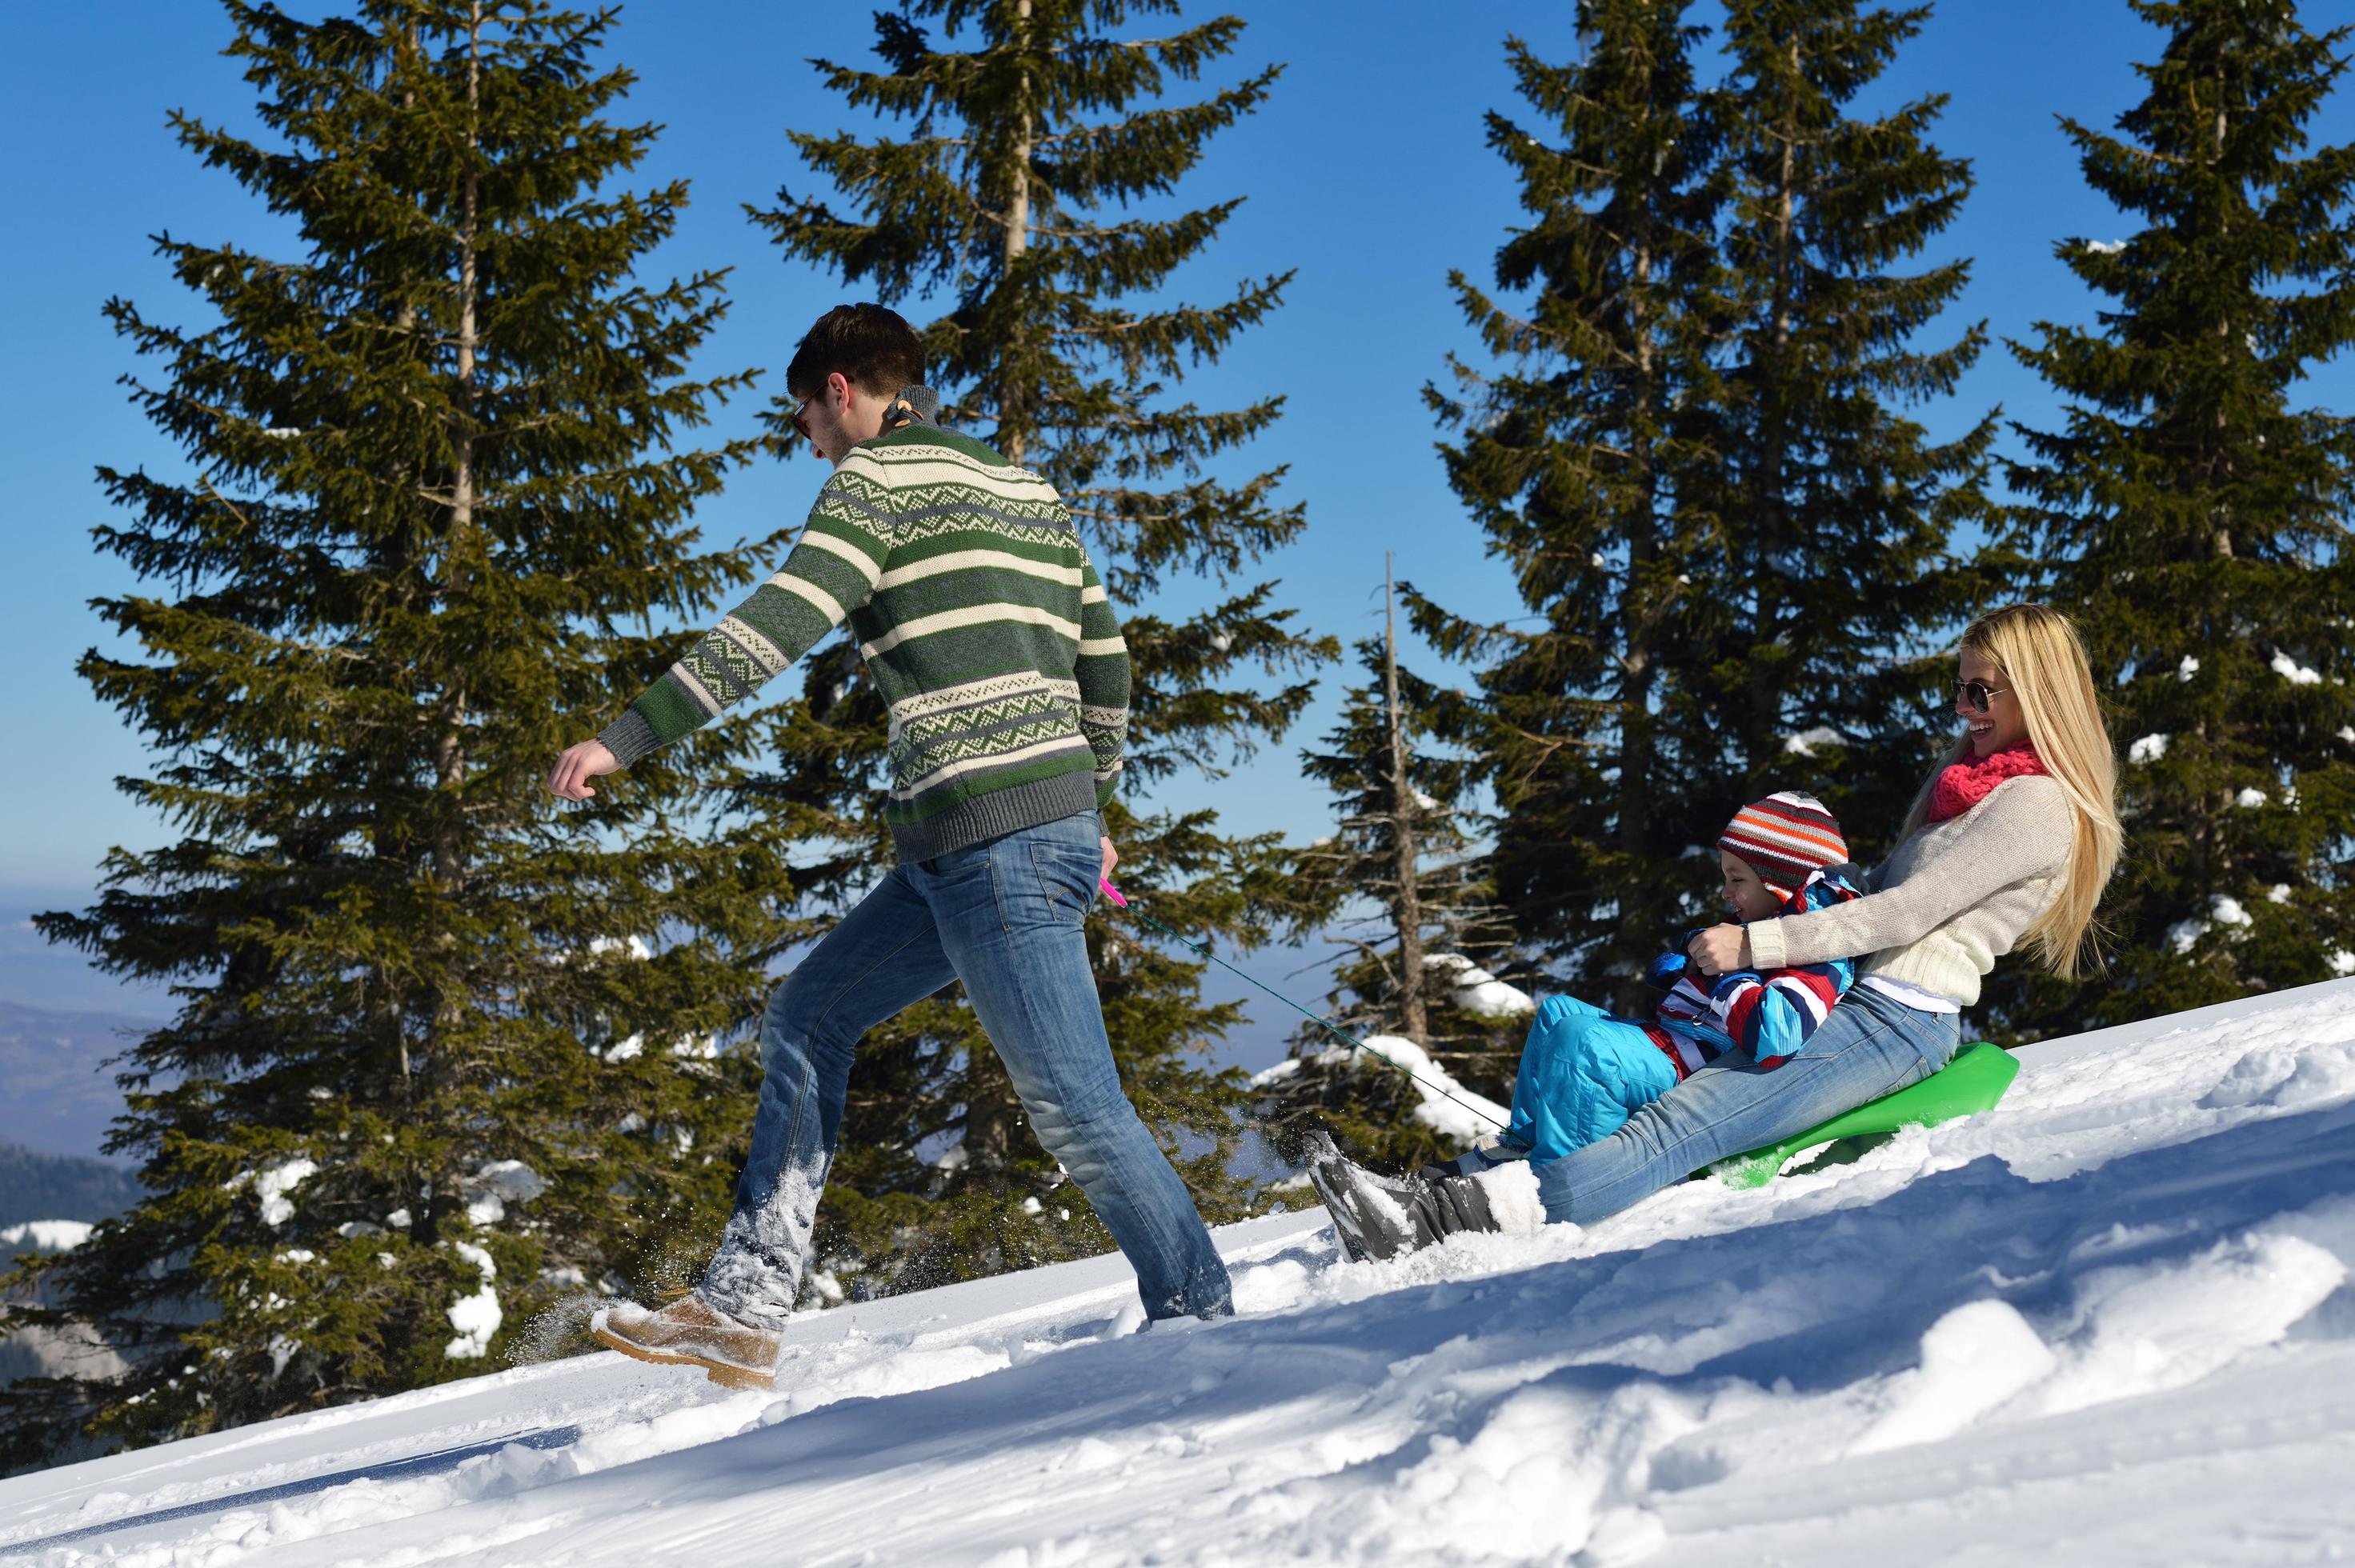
x: 1721, y: 948
x: 569, y: 780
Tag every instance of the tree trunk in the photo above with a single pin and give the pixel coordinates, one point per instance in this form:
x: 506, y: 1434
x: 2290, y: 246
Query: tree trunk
x: 1013, y: 405
x: 1774, y: 441
x: 1637, y: 675
x: 991, y: 1110
x: 1407, y: 908
x: 442, y: 1194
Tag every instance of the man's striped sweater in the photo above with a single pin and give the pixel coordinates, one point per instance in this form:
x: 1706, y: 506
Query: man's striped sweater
x: 983, y: 624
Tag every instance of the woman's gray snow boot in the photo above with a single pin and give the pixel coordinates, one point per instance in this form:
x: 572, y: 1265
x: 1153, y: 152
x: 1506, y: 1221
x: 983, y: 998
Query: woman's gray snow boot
x: 1382, y: 1216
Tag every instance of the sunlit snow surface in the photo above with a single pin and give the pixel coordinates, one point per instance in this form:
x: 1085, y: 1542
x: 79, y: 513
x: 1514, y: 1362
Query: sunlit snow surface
x: 2108, y: 1322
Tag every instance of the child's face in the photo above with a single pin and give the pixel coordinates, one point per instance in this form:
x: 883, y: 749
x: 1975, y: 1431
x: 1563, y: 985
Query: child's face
x: 1745, y: 893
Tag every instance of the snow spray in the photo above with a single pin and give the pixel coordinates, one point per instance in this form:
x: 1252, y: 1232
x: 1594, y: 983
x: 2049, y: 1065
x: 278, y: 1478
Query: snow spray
x: 1203, y: 949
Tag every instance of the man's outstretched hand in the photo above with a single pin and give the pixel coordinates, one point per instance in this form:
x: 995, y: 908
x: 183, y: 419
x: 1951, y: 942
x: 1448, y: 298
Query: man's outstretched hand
x: 569, y: 780
x: 1110, y: 858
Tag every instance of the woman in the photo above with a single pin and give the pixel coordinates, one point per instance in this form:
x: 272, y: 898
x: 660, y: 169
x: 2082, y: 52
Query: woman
x: 2010, y: 842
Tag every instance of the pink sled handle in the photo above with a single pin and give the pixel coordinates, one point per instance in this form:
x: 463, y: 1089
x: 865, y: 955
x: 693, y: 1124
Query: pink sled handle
x: 1110, y: 891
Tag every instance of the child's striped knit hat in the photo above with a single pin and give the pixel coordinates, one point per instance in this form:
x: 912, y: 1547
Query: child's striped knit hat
x: 1786, y: 839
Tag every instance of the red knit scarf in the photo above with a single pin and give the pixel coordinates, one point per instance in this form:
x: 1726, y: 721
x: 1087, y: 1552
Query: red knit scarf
x: 1962, y: 784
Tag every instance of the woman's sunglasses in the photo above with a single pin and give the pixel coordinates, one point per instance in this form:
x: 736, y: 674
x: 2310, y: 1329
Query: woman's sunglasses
x: 1979, y: 693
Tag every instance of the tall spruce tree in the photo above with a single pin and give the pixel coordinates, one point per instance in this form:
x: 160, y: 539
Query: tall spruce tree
x: 427, y: 1072
x: 1403, y: 883
x: 2193, y: 519
x: 1815, y: 657
x: 1580, y: 458
x: 1024, y: 196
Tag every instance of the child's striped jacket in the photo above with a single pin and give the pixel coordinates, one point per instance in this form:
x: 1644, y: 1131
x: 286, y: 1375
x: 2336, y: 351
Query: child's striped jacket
x: 1768, y: 1014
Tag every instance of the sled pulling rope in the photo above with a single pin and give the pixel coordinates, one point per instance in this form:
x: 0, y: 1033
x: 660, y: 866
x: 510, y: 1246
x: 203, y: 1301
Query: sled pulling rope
x: 1202, y: 949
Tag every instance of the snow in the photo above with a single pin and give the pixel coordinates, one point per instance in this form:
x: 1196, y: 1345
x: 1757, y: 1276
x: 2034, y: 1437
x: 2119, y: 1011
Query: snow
x: 628, y: 946
x: 2105, y: 247
x: 2188, y: 668
x: 2296, y: 674
x: 1804, y: 744
x: 2147, y: 750
x: 1447, y: 1106
x: 511, y: 1179
x: 2250, y: 799
x: 2108, y: 1322
x: 44, y: 1235
x: 273, y: 1183
x: 2223, y: 909
x: 476, y: 1317
x: 499, y: 1183
x: 1476, y: 991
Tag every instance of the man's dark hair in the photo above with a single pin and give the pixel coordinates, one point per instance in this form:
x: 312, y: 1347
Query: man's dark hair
x: 873, y: 347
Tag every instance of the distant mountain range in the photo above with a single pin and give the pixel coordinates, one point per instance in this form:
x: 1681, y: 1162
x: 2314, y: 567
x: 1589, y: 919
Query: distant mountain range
x: 59, y: 1187
x: 45, y: 1188
x: 54, y: 1080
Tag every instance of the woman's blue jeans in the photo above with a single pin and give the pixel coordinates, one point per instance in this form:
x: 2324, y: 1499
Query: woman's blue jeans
x: 1005, y: 917
x: 1871, y: 1046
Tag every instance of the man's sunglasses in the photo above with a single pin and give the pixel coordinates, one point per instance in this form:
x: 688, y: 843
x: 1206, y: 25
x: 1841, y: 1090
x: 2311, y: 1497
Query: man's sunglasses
x: 801, y: 417
x: 1979, y: 693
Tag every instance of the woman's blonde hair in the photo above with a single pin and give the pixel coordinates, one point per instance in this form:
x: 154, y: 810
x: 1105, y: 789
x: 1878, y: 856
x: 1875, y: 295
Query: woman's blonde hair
x: 2040, y: 657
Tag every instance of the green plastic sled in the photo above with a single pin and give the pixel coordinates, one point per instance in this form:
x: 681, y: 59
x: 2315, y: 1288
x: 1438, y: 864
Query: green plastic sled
x: 1973, y: 1081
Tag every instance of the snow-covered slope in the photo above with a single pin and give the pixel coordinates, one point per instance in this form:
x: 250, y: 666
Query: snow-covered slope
x: 2108, y: 1322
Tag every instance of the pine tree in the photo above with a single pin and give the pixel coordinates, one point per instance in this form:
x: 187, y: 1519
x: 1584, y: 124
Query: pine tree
x: 1402, y: 882
x: 444, y: 1052
x: 1818, y: 632
x: 1580, y: 460
x: 2193, y: 519
x: 1022, y: 198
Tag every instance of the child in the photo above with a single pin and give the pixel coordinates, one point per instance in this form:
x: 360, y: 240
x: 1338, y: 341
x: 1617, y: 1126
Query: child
x: 1583, y: 1071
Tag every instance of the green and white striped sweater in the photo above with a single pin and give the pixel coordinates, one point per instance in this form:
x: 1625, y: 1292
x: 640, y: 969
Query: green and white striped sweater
x: 983, y: 624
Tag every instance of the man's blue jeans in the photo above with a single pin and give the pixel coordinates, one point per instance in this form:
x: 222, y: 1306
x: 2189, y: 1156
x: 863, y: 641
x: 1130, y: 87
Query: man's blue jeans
x: 1007, y: 917
x: 1871, y: 1046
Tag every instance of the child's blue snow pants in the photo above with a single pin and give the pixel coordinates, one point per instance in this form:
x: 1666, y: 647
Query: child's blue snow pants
x: 1582, y: 1072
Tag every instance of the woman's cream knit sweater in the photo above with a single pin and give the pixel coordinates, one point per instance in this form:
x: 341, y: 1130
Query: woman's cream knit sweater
x: 1952, y: 899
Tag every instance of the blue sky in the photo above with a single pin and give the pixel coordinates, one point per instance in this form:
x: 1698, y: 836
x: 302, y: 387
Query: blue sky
x: 1367, y: 171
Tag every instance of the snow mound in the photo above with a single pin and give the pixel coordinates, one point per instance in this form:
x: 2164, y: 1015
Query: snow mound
x: 45, y: 1236
x: 2109, y: 1321
x: 1476, y: 991
x: 271, y: 1183
x: 1447, y: 1106
x: 499, y: 1183
x: 2296, y: 674
x: 475, y: 1316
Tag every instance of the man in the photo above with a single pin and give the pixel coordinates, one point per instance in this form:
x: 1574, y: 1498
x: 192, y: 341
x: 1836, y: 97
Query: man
x: 985, y: 627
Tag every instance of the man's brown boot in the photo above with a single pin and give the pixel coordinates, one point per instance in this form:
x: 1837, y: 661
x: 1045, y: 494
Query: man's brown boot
x: 688, y: 1332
